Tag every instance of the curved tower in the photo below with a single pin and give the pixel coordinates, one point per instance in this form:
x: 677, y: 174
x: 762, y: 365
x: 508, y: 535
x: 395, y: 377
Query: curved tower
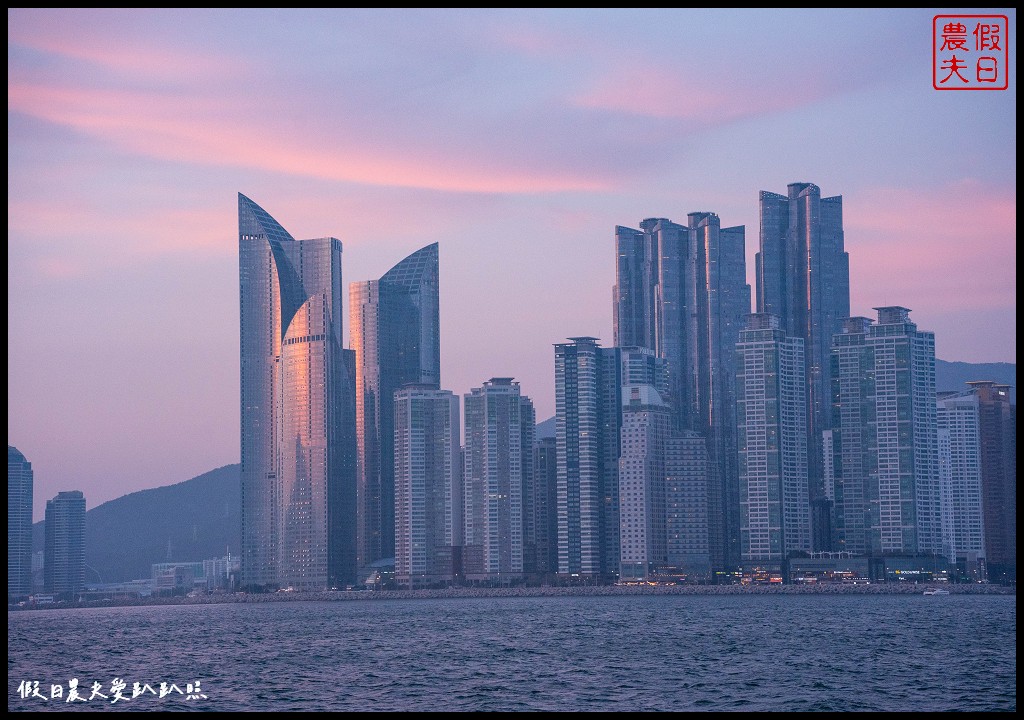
x: 395, y: 334
x: 296, y: 426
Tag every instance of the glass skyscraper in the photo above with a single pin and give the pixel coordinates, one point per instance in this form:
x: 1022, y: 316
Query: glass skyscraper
x: 803, y: 278
x: 395, y: 335
x: 19, y: 524
x: 681, y: 291
x: 64, y: 552
x: 297, y: 412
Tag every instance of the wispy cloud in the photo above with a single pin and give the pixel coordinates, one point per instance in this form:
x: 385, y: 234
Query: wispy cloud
x: 950, y: 247
x: 664, y: 93
x: 202, y: 131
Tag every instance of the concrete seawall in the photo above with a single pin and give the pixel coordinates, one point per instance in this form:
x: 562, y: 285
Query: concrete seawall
x: 542, y: 591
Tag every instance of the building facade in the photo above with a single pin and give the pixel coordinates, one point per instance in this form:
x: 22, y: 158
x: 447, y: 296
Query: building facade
x: 646, y: 427
x: 395, y: 336
x: 771, y: 411
x: 959, y: 451
x: 429, y: 495
x: 803, y: 278
x: 681, y: 291
x: 886, y: 455
x: 499, y: 440
x: 19, y: 524
x: 852, y: 363
x: 587, y: 420
x: 997, y: 418
x: 64, y: 563
x: 297, y: 410
x: 544, y: 508
x: 686, y: 507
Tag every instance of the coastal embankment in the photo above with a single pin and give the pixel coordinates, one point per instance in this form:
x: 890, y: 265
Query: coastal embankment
x: 538, y: 591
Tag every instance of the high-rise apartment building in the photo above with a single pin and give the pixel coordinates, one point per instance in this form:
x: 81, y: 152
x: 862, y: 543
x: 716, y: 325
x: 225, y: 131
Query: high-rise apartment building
x: 997, y: 418
x: 499, y: 436
x: 64, y: 551
x: 959, y: 452
x: 587, y: 418
x: 771, y: 411
x: 544, y: 508
x: 395, y: 335
x: 646, y: 427
x: 885, y: 436
x: 686, y: 506
x: 681, y: 291
x: 429, y: 495
x: 803, y: 277
x: 851, y: 364
x: 534, y: 499
x: 297, y: 410
x: 19, y: 524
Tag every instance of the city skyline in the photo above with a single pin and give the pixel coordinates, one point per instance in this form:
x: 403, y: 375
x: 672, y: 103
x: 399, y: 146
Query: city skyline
x: 517, y: 140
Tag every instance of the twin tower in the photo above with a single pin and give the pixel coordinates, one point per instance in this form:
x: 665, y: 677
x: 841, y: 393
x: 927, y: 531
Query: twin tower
x: 317, y: 425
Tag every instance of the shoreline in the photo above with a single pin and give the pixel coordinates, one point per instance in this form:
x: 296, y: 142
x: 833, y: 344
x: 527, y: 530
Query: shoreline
x: 457, y: 593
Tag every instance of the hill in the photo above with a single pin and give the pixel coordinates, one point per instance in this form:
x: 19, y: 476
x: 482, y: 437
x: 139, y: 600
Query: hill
x: 193, y: 520
x: 953, y: 375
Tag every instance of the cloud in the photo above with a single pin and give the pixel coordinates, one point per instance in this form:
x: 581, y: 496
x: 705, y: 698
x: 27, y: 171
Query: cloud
x: 84, y: 239
x: 949, y: 247
x: 205, y: 131
x: 103, y: 47
x: 674, y: 93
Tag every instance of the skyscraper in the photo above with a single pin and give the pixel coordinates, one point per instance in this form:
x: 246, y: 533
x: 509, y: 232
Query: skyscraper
x: 64, y: 552
x: 19, y: 524
x: 686, y: 506
x: 646, y: 426
x: 851, y: 364
x: 395, y: 335
x: 653, y: 298
x: 886, y: 455
x: 494, y: 460
x: 681, y: 291
x: 533, y: 499
x: 803, y: 277
x: 959, y: 449
x: 771, y: 399
x: 429, y: 495
x: 722, y: 305
x: 587, y: 417
x: 544, y: 508
x: 297, y: 412
x: 997, y: 418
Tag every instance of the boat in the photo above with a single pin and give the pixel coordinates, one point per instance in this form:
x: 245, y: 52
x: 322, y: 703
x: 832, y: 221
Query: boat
x: 936, y: 591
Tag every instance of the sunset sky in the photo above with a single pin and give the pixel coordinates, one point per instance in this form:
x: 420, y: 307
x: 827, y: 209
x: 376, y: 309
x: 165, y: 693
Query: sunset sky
x: 517, y: 139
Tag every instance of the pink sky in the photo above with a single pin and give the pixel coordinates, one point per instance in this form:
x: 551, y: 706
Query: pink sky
x: 517, y: 139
